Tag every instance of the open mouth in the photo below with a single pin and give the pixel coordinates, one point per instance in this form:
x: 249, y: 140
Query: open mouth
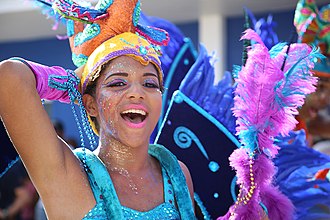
x: 135, y: 116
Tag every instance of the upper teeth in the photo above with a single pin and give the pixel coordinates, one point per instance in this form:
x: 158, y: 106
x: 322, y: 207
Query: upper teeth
x: 137, y: 111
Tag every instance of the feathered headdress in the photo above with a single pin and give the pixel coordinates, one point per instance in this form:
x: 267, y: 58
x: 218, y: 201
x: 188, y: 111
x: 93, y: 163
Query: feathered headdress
x: 108, y: 30
x: 266, y: 101
x: 88, y: 27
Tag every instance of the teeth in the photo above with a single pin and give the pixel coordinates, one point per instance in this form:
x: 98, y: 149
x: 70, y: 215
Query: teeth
x: 136, y: 111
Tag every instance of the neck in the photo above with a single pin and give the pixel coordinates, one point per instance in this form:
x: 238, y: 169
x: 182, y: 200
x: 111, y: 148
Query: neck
x: 117, y: 155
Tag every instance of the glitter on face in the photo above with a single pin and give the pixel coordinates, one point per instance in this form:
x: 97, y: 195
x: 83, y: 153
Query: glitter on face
x: 125, y: 77
x: 123, y: 85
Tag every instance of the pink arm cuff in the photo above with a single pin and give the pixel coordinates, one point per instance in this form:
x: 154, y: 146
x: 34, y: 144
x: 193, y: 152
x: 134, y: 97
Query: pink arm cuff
x: 42, y: 73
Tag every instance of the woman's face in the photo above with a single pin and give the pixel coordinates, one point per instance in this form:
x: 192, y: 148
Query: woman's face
x: 128, y: 101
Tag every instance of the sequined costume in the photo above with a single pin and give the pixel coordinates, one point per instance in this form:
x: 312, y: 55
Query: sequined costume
x: 107, y: 203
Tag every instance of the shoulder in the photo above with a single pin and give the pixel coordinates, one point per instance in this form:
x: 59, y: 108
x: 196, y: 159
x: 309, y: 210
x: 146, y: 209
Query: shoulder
x: 189, y: 181
x: 187, y: 175
x: 184, y: 169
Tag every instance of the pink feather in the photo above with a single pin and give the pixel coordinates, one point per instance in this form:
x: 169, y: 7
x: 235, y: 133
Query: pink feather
x: 254, y: 96
x: 266, y: 100
x: 279, y: 206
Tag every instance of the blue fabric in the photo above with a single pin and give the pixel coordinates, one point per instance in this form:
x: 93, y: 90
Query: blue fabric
x: 297, y: 164
x: 108, y: 205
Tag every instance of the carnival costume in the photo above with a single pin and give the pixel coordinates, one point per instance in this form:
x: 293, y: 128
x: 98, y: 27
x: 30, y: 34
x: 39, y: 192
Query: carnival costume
x: 111, y: 29
x: 108, y: 205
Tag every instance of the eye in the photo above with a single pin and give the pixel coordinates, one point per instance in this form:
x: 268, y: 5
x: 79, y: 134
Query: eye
x: 150, y: 83
x: 116, y: 83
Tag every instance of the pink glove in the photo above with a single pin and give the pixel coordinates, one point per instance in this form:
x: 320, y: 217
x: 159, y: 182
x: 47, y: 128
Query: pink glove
x: 42, y: 74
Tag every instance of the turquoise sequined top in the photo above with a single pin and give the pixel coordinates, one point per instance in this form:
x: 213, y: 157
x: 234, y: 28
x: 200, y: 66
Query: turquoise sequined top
x: 108, y: 205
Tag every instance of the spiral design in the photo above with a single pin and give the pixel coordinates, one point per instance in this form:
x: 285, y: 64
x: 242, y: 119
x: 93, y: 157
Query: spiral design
x: 183, y: 137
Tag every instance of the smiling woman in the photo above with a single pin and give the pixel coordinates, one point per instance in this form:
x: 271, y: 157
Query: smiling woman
x: 119, y: 91
x: 127, y: 100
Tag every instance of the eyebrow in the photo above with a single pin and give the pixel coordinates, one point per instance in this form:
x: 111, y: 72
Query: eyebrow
x: 116, y: 74
x: 126, y: 75
x: 150, y: 74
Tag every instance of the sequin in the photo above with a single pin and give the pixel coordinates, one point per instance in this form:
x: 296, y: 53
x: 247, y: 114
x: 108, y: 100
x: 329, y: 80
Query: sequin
x: 166, y: 210
x: 90, y: 31
x: 103, y: 5
x: 214, y: 166
x: 143, y: 50
x: 136, y: 14
x: 79, y: 60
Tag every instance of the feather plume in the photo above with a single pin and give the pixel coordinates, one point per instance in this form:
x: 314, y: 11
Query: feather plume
x: 266, y: 100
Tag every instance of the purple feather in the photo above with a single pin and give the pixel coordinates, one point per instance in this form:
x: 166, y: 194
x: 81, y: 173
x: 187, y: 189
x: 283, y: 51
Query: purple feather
x: 266, y: 102
x: 263, y: 168
x: 250, y: 211
x: 279, y: 206
x: 266, y: 99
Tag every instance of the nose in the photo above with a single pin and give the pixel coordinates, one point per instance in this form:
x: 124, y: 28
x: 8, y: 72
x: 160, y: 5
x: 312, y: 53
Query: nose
x: 135, y: 91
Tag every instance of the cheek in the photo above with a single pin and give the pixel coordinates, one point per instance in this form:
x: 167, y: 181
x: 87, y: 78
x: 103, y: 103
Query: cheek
x: 107, y: 108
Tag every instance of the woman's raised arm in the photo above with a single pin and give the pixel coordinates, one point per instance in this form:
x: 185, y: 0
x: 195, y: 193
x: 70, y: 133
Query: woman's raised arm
x: 49, y: 161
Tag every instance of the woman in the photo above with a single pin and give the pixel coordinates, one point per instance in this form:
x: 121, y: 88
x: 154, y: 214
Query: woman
x: 122, y: 84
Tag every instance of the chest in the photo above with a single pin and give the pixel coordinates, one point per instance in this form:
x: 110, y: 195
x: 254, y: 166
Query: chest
x: 141, y: 194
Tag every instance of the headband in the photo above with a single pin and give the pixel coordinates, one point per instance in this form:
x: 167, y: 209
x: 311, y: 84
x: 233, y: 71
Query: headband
x: 123, y: 44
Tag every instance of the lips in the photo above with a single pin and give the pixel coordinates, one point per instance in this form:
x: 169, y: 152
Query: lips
x: 134, y: 117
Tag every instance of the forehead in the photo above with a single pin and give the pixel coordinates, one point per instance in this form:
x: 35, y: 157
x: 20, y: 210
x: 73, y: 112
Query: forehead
x: 129, y: 64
